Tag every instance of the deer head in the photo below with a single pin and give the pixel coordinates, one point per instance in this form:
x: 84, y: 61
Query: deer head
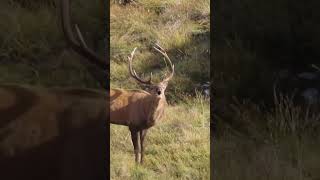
x: 155, y: 89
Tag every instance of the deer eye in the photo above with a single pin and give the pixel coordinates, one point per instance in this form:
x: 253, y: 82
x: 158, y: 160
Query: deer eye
x: 159, y: 92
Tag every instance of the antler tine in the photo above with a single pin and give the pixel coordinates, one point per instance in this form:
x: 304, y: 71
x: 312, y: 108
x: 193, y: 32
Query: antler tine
x: 80, y: 37
x: 163, y: 52
x: 133, y: 72
x: 315, y: 67
x: 79, y: 47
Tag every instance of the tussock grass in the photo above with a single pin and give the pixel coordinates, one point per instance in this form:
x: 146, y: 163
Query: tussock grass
x: 258, y: 143
x: 288, y: 159
x: 289, y: 119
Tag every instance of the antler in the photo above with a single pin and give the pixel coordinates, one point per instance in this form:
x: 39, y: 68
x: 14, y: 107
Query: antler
x: 81, y: 47
x: 133, y: 72
x: 316, y: 67
x: 163, y: 52
x: 148, y: 82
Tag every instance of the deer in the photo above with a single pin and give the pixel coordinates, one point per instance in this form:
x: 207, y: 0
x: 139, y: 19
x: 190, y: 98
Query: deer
x: 139, y: 109
x: 58, y: 132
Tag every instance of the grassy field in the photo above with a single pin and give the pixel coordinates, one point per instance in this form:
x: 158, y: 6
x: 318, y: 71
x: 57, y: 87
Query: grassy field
x: 178, y: 147
x: 253, y: 143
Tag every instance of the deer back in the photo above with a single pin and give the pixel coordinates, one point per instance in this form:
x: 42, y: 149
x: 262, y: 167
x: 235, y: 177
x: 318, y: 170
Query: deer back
x: 31, y: 116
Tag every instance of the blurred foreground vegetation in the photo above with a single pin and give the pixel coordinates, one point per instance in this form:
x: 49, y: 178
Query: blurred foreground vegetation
x: 33, y: 49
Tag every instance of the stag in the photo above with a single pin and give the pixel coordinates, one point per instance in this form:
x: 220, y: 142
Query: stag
x: 139, y: 109
x: 56, y: 133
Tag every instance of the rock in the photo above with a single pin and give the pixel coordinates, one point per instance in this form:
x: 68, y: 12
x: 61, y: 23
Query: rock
x: 308, y: 76
x: 311, y: 95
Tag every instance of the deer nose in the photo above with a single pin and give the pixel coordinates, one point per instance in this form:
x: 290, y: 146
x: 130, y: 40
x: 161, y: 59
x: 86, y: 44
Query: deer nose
x: 159, y: 92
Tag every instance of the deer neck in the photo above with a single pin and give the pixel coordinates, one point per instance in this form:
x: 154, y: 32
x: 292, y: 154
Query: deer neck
x: 156, y: 109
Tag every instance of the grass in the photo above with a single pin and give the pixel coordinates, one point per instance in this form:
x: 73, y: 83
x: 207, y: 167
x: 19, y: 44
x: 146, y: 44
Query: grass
x: 181, y: 27
x: 177, y: 147
x: 281, y: 143
x: 289, y: 158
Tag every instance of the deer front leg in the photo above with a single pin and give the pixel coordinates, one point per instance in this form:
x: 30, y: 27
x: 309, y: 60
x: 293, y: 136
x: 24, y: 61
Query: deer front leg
x: 135, y: 142
x: 142, y: 135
